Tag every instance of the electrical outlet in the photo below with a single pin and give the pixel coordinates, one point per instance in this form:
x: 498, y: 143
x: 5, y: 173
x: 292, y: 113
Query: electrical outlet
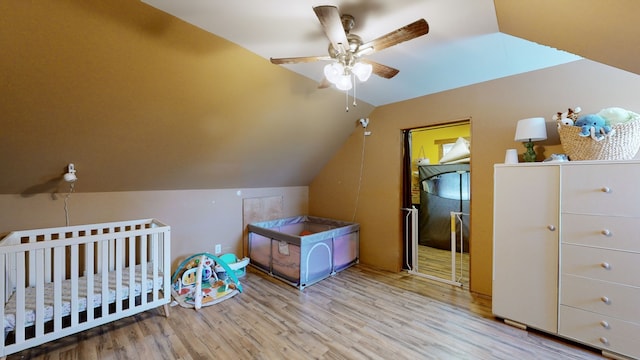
x: 218, y: 249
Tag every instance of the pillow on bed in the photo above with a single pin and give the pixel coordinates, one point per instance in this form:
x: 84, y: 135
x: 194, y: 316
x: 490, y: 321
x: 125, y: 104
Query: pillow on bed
x: 460, y: 150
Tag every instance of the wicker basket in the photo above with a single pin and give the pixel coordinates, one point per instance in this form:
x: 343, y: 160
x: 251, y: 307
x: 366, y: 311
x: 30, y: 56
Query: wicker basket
x: 623, y: 144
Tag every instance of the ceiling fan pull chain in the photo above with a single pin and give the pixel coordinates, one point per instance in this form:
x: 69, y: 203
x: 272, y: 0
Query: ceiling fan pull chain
x: 354, y: 89
x: 346, y: 99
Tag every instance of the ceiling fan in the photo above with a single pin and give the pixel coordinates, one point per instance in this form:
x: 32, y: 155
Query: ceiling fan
x: 347, y: 50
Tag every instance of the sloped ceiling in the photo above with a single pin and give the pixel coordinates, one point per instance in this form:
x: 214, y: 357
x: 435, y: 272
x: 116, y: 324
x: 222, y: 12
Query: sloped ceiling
x: 141, y: 100
x: 463, y: 47
x: 603, y: 31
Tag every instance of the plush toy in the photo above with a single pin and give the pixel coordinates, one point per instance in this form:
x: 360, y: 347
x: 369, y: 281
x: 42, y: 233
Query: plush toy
x: 616, y: 115
x: 557, y: 158
x: 568, y: 117
x: 593, y: 125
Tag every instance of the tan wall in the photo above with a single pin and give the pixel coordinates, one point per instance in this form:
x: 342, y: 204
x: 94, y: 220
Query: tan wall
x: 140, y: 100
x: 199, y: 219
x: 159, y: 117
x: 494, y: 108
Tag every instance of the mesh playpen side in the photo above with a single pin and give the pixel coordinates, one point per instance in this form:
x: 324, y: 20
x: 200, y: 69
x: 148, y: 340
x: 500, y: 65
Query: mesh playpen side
x: 303, y: 250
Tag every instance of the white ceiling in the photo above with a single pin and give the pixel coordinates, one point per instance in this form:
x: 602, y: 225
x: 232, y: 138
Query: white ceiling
x: 463, y: 46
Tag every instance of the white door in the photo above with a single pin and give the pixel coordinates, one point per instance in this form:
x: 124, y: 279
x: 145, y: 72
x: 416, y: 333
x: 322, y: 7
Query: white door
x: 525, y: 246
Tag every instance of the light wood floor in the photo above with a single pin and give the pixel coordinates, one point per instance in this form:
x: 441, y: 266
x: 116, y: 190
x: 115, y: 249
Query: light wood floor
x: 437, y: 262
x: 361, y: 313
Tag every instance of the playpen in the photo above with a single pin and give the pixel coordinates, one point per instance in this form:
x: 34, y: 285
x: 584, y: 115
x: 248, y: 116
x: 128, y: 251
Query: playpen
x: 303, y: 250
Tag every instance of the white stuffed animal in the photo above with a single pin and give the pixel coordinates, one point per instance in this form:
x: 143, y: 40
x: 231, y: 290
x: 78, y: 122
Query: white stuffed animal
x: 568, y: 117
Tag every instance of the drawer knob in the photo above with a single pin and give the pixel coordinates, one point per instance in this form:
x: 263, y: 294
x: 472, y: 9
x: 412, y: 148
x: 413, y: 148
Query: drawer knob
x: 606, y: 189
x: 604, y: 340
x: 606, y: 300
x: 605, y: 324
x: 606, y: 265
x: 606, y: 232
x: 551, y: 227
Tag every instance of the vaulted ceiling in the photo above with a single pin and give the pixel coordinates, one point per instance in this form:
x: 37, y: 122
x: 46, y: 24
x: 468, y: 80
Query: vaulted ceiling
x: 601, y: 31
x: 469, y: 41
x: 464, y: 44
x: 121, y: 87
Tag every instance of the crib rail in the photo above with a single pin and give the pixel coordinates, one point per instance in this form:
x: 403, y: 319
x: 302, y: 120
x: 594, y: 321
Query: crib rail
x: 111, y: 255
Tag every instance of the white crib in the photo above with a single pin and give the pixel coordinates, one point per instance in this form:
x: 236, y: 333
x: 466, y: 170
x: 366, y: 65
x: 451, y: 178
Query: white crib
x: 61, y: 281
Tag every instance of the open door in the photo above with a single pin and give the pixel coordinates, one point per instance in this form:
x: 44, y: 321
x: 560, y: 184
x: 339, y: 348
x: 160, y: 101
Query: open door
x: 436, y: 201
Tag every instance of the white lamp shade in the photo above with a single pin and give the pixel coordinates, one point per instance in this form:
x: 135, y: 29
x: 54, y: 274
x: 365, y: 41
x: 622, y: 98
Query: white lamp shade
x: 344, y: 82
x: 533, y: 129
x: 333, y: 72
x: 362, y: 71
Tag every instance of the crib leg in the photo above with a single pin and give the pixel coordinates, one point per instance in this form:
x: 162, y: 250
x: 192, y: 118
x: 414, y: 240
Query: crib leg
x: 166, y: 310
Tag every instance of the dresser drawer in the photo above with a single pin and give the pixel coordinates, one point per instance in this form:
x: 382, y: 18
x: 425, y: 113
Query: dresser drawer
x: 600, y: 331
x: 614, y: 300
x: 601, y: 264
x: 612, y: 232
x: 605, y: 189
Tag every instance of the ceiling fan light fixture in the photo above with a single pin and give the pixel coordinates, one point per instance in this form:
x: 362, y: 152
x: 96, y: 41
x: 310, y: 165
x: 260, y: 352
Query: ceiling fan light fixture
x: 333, y: 72
x: 346, y: 48
x: 344, y: 83
x: 362, y: 71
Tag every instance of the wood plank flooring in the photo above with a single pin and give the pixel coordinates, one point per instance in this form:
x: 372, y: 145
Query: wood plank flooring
x: 437, y: 262
x: 361, y: 313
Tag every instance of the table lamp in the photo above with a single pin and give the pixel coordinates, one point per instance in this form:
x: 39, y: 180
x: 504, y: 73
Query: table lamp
x: 528, y: 131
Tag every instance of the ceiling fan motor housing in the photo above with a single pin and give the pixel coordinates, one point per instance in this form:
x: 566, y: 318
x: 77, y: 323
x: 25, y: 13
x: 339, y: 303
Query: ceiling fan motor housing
x: 347, y: 22
x: 354, y: 45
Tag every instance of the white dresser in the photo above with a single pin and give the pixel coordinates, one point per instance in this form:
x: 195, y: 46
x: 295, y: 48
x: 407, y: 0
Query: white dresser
x: 574, y: 271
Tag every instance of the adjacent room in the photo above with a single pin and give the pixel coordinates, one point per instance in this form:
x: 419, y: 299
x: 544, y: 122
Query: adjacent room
x: 143, y: 137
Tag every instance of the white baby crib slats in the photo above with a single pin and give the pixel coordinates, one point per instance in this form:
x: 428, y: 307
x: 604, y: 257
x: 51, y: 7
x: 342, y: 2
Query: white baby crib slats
x: 104, y: 274
x: 89, y: 269
x: 20, y: 297
x: 143, y: 260
x: 155, y: 258
x: 118, y: 271
x: 39, y: 277
x: 47, y: 261
x: 132, y: 270
x: 75, y: 306
x: 58, y: 275
x: 3, y: 283
x: 60, y: 281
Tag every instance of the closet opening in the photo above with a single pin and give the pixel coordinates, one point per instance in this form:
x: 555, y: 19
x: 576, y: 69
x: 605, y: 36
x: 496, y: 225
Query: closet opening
x: 436, y: 201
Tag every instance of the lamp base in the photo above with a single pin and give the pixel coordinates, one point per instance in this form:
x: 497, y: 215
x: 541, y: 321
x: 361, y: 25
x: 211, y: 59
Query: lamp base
x: 530, y: 154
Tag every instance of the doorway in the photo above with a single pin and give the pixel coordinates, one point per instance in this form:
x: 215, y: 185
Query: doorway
x: 437, y: 199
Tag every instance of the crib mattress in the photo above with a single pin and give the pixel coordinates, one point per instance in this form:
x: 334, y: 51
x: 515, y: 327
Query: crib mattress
x: 96, y: 301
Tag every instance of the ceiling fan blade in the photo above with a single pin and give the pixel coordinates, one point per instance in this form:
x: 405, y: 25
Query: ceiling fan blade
x: 297, y: 60
x: 408, y: 32
x: 383, y: 71
x: 329, y: 17
x: 324, y: 83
